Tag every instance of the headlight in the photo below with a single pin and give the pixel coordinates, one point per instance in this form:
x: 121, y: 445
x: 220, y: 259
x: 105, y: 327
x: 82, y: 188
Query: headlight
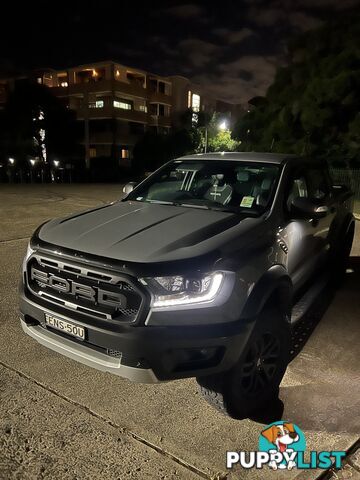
x: 179, y: 290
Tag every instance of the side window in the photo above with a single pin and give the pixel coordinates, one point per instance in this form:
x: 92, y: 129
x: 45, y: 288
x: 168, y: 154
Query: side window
x: 297, y: 188
x: 318, y: 184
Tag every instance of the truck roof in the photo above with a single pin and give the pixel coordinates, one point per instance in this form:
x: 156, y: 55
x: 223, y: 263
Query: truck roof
x: 276, y: 158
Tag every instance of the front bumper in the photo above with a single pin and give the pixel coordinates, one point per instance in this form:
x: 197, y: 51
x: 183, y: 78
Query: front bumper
x: 144, y: 353
x: 88, y: 356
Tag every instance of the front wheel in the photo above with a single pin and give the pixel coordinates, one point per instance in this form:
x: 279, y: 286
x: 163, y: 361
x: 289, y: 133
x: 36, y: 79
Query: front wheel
x: 254, y: 380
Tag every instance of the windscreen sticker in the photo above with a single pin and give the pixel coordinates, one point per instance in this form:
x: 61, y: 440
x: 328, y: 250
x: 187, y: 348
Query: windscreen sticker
x: 247, y: 202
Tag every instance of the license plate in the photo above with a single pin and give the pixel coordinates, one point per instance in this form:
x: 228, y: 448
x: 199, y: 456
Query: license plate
x: 64, y: 326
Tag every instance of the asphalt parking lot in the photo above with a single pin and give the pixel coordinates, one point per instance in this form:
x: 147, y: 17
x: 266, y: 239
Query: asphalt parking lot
x: 60, y: 419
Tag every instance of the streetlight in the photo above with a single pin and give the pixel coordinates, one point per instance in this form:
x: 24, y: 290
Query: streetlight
x: 11, y: 170
x: 32, y: 163
x: 223, y: 125
x: 56, y: 164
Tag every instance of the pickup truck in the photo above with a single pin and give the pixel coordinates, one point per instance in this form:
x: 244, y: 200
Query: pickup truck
x: 198, y: 271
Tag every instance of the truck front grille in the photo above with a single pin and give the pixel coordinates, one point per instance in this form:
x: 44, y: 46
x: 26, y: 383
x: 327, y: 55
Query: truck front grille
x: 86, y: 290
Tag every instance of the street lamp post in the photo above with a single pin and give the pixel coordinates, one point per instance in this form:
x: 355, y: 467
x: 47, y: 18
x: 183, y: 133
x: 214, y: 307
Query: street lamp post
x: 32, y: 164
x: 11, y: 170
x: 56, y: 164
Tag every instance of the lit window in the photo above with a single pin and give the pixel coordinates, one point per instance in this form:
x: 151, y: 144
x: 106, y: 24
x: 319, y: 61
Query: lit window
x: 124, y: 153
x: 195, y: 103
x: 39, y: 80
x: 92, y: 152
x: 123, y: 105
x: 143, y: 108
x: 64, y: 84
x: 189, y: 99
x: 117, y: 73
x: 97, y: 104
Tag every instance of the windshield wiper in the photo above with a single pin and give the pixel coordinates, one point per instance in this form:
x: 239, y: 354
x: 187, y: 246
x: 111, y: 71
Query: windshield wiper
x: 192, y: 205
x: 160, y: 202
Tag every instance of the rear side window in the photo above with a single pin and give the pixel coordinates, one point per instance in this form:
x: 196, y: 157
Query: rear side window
x: 298, y: 187
x: 319, y: 188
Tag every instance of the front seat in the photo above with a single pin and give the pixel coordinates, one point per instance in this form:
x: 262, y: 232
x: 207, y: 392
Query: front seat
x: 219, y: 192
x: 242, y: 186
x: 262, y: 194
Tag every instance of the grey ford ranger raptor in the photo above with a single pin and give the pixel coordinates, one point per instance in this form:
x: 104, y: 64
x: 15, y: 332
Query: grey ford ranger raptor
x: 198, y: 272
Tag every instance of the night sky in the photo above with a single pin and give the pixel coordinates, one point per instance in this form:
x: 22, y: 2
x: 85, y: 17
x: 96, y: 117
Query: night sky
x: 233, y: 47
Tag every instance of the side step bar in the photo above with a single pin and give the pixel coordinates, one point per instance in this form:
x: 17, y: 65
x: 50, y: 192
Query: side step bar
x: 300, y: 309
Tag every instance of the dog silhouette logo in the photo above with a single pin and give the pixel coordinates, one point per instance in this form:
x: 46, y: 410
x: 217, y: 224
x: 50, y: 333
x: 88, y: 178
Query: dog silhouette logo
x: 282, y: 445
x: 283, y: 440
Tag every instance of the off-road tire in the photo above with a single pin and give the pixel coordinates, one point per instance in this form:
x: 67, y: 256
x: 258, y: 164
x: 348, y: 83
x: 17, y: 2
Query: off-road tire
x: 227, y: 392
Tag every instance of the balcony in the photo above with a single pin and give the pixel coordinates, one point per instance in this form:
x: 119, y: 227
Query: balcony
x: 157, y: 120
x: 109, y: 111
x: 132, y: 88
x: 159, y: 97
x: 108, y: 137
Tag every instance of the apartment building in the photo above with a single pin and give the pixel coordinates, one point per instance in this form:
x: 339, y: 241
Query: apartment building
x: 116, y: 104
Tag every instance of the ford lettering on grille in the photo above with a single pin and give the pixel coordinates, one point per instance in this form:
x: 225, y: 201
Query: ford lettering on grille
x: 93, y: 294
x: 83, y: 289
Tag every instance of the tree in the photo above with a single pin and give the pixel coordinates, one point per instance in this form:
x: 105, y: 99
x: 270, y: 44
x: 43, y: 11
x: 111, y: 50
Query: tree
x: 155, y: 149
x: 222, y: 142
x: 312, y: 106
x: 36, y: 125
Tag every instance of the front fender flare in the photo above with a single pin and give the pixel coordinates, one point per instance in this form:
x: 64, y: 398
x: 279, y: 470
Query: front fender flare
x: 276, y: 279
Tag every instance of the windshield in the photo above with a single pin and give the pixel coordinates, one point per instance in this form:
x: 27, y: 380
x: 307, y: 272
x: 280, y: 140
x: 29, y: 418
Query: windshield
x: 213, y: 184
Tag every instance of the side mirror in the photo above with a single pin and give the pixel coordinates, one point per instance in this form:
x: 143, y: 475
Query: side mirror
x: 129, y: 187
x: 306, y: 208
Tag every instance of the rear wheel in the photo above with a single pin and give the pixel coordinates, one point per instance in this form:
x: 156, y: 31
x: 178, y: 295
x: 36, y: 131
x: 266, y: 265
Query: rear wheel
x: 254, y: 381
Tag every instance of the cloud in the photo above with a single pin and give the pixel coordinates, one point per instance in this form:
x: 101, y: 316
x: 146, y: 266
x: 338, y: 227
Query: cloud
x: 241, y: 79
x: 240, y: 35
x: 185, y: 11
x: 301, y: 14
x: 325, y: 4
x: 303, y: 22
x: 233, y: 36
x: 304, y: 4
x: 266, y: 17
x: 287, y: 15
x: 221, y: 32
x: 198, y: 51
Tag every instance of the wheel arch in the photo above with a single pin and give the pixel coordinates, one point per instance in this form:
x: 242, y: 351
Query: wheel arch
x: 274, y: 288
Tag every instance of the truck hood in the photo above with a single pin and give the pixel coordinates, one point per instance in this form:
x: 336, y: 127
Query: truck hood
x: 143, y: 232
